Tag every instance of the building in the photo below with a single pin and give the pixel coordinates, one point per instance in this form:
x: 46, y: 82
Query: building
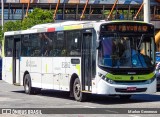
x: 72, y: 9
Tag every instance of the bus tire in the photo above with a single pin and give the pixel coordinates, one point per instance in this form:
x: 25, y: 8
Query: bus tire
x: 77, y: 93
x: 126, y: 97
x: 27, y: 85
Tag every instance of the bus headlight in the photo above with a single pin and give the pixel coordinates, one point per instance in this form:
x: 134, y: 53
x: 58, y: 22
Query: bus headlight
x: 152, y: 79
x: 107, y: 79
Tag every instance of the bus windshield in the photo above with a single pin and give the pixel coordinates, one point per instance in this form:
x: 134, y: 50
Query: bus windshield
x: 126, y: 51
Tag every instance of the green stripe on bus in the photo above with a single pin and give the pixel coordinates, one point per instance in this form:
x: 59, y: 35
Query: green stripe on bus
x: 78, y: 68
x: 128, y: 77
x: 10, y: 68
x: 46, y: 68
x: 73, y: 27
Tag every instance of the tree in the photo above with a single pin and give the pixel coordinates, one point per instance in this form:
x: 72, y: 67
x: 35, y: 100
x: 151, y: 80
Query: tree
x: 38, y: 16
x: 12, y: 26
x: 1, y: 34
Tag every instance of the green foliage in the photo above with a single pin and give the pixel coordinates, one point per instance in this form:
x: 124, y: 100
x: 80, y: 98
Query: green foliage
x: 1, y: 34
x: 38, y: 16
x: 12, y: 26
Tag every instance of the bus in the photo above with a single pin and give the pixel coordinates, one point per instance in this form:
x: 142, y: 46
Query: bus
x: 82, y: 57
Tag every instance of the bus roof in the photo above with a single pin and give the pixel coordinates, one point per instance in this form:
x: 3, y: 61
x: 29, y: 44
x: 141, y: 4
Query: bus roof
x: 66, y: 25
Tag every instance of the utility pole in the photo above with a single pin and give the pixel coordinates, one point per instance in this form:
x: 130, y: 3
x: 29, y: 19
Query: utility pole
x: 135, y: 17
x: 81, y: 17
x: 55, y: 12
x: 146, y: 10
x: 112, y: 9
x: 2, y: 13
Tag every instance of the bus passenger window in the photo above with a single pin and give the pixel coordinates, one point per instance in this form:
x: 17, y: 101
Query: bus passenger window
x: 35, y: 45
x: 25, y: 45
x: 8, y: 46
x: 46, y: 43
x: 59, y: 45
x: 9, y: 52
x: 73, y: 43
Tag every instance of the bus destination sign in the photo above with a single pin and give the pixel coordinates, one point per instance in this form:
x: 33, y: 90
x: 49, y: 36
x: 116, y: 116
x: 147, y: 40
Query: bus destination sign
x: 126, y: 28
x: 123, y: 28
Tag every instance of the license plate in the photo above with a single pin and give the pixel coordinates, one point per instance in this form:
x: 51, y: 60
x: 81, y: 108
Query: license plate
x: 131, y: 88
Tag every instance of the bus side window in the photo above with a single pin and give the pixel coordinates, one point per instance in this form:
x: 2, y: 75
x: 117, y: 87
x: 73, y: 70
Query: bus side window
x: 59, y: 48
x: 46, y: 43
x: 25, y: 46
x: 35, y: 45
x: 9, y: 46
x: 9, y: 52
x: 73, y: 43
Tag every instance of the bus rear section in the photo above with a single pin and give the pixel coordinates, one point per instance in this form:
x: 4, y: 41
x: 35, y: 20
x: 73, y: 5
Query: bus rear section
x: 126, y: 59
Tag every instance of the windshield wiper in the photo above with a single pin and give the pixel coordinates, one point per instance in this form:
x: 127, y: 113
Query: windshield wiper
x: 140, y: 42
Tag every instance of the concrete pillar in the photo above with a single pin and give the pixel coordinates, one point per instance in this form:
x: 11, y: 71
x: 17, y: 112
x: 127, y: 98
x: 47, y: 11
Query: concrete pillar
x: 2, y: 13
x: 147, y: 16
x: 146, y: 11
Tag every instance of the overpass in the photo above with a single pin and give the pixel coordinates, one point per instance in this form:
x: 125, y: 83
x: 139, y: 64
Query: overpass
x: 72, y: 9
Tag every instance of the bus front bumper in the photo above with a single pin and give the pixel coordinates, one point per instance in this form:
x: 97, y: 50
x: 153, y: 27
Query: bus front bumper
x: 104, y: 87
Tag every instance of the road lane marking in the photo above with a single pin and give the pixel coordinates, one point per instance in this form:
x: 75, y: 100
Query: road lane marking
x: 111, y: 111
x: 89, y: 107
x: 134, y: 116
x: 7, y: 99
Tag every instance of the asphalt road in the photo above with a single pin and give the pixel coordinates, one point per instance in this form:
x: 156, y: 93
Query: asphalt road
x: 13, y: 97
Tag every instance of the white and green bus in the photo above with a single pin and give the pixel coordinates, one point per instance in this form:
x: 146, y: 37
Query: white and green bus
x: 96, y: 57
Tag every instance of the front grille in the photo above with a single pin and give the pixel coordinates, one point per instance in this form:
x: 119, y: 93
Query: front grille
x: 126, y: 91
x: 131, y: 82
x: 140, y: 81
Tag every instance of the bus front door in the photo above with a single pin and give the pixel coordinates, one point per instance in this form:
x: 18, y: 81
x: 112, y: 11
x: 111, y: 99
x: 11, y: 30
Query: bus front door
x: 86, y: 60
x: 16, y: 61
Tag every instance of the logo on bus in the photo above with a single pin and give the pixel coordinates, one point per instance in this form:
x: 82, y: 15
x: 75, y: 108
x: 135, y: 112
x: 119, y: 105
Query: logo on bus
x: 65, y: 64
x: 31, y: 64
x: 131, y: 77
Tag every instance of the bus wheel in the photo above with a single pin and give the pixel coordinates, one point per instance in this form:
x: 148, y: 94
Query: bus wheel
x: 78, y: 95
x: 27, y: 85
x: 125, y: 96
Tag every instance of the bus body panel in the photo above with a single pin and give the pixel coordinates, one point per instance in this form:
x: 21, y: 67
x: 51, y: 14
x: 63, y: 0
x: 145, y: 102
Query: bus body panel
x: 35, y: 73
x: 60, y: 82
x: 18, y: 71
x: 7, y: 70
x: 47, y: 73
x: 73, y: 66
x: 24, y: 67
x: 105, y: 88
x: 3, y: 69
